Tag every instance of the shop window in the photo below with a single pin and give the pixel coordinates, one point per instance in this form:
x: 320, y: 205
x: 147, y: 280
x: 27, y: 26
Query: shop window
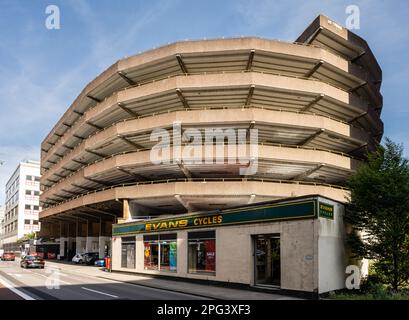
x: 128, y: 252
x: 160, y: 252
x: 202, y: 252
x: 167, y: 250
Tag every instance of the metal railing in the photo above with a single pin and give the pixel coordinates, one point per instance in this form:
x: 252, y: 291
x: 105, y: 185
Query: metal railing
x: 142, y: 83
x: 202, y: 180
x: 192, y: 110
x: 148, y: 149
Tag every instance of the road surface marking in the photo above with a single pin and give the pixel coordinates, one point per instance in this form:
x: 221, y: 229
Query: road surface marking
x: 43, y: 275
x: 106, y: 294
x: 18, y: 275
x: 15, y: 290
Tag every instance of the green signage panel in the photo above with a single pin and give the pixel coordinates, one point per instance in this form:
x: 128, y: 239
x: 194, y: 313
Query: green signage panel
x: 295, y: 210
x: 326, y: 210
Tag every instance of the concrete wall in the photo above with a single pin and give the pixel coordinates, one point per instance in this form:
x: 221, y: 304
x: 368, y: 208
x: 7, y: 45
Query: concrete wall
x: 234, y: 254
x: 62, y: 245
x: 332, y: 256
x: 189, y: 47
x: 203, y: 117
x: 92, y: 244
x: 265, y: 153
x: 81, y: 243
x: 208, y: 189
x: 102, y: 242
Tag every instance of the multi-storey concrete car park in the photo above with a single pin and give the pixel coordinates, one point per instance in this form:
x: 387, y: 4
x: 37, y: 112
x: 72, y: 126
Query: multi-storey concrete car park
x: 316, y: 104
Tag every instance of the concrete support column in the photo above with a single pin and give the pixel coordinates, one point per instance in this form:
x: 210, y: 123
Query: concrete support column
x: 182, y: 254
x: 64, y: 239
x: 104, y: 241
x: 62, y: 245
x: 92, y: 244
x: 61, y: 239
x: 116, y: 253
x: 81, y: 243
x: 81, y: 240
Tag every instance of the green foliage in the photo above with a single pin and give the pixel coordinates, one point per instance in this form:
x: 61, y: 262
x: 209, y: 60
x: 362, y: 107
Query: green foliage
x: 381, y: 294
x: 371, y: 288
x: 28, y: 236
x: 379, y: 213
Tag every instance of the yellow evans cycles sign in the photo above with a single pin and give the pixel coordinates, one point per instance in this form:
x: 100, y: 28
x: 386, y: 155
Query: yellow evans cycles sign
x: 326, y: 211
x: 182, y: 223
x: 255, y: 214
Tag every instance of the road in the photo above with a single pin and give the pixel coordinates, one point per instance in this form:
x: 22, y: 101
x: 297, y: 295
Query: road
x: 54, y: 283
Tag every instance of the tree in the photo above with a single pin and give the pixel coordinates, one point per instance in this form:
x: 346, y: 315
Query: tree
x: 379, y: 213
x: 28, y: 236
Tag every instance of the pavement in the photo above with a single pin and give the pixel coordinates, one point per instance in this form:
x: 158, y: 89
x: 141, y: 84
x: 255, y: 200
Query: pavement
x: 66, y: 281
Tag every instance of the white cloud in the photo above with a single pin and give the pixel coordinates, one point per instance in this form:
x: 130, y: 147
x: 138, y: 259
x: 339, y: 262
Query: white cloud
x: 33, y: 96
x: 109, y: 43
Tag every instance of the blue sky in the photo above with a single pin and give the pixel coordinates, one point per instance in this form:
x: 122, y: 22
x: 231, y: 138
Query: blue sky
x: 42, y: 71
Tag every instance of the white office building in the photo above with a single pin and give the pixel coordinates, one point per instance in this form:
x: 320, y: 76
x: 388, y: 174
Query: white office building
x: 1, y: 226
x: 22, y: 204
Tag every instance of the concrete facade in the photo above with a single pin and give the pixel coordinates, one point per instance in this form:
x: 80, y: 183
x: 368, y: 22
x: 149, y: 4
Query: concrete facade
x: 316, y: 106
x: 313, y: 258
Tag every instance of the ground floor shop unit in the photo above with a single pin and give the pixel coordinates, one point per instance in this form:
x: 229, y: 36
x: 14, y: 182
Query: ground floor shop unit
x: 295, y: 244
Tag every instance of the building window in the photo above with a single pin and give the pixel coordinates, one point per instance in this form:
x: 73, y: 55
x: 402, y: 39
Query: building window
x: 168, y: 252
x: 28, y: 207
x: 36, y: 193
x: 128, y: 252
x: 28, y: 192
x: 29, y: 178
x: 151, y: 252
x: 36, y: 208
x: 26, y: 221
x: 160, y: 252
x: 202, y: 252
x: 37, y: 179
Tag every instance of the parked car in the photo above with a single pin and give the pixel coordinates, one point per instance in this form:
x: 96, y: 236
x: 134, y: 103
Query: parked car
x: 8, y: 256
x: 100, y: 262
x: 78, y: 258
x: 32, y: 262
x: 90, y: 257
x: 51, y: 255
